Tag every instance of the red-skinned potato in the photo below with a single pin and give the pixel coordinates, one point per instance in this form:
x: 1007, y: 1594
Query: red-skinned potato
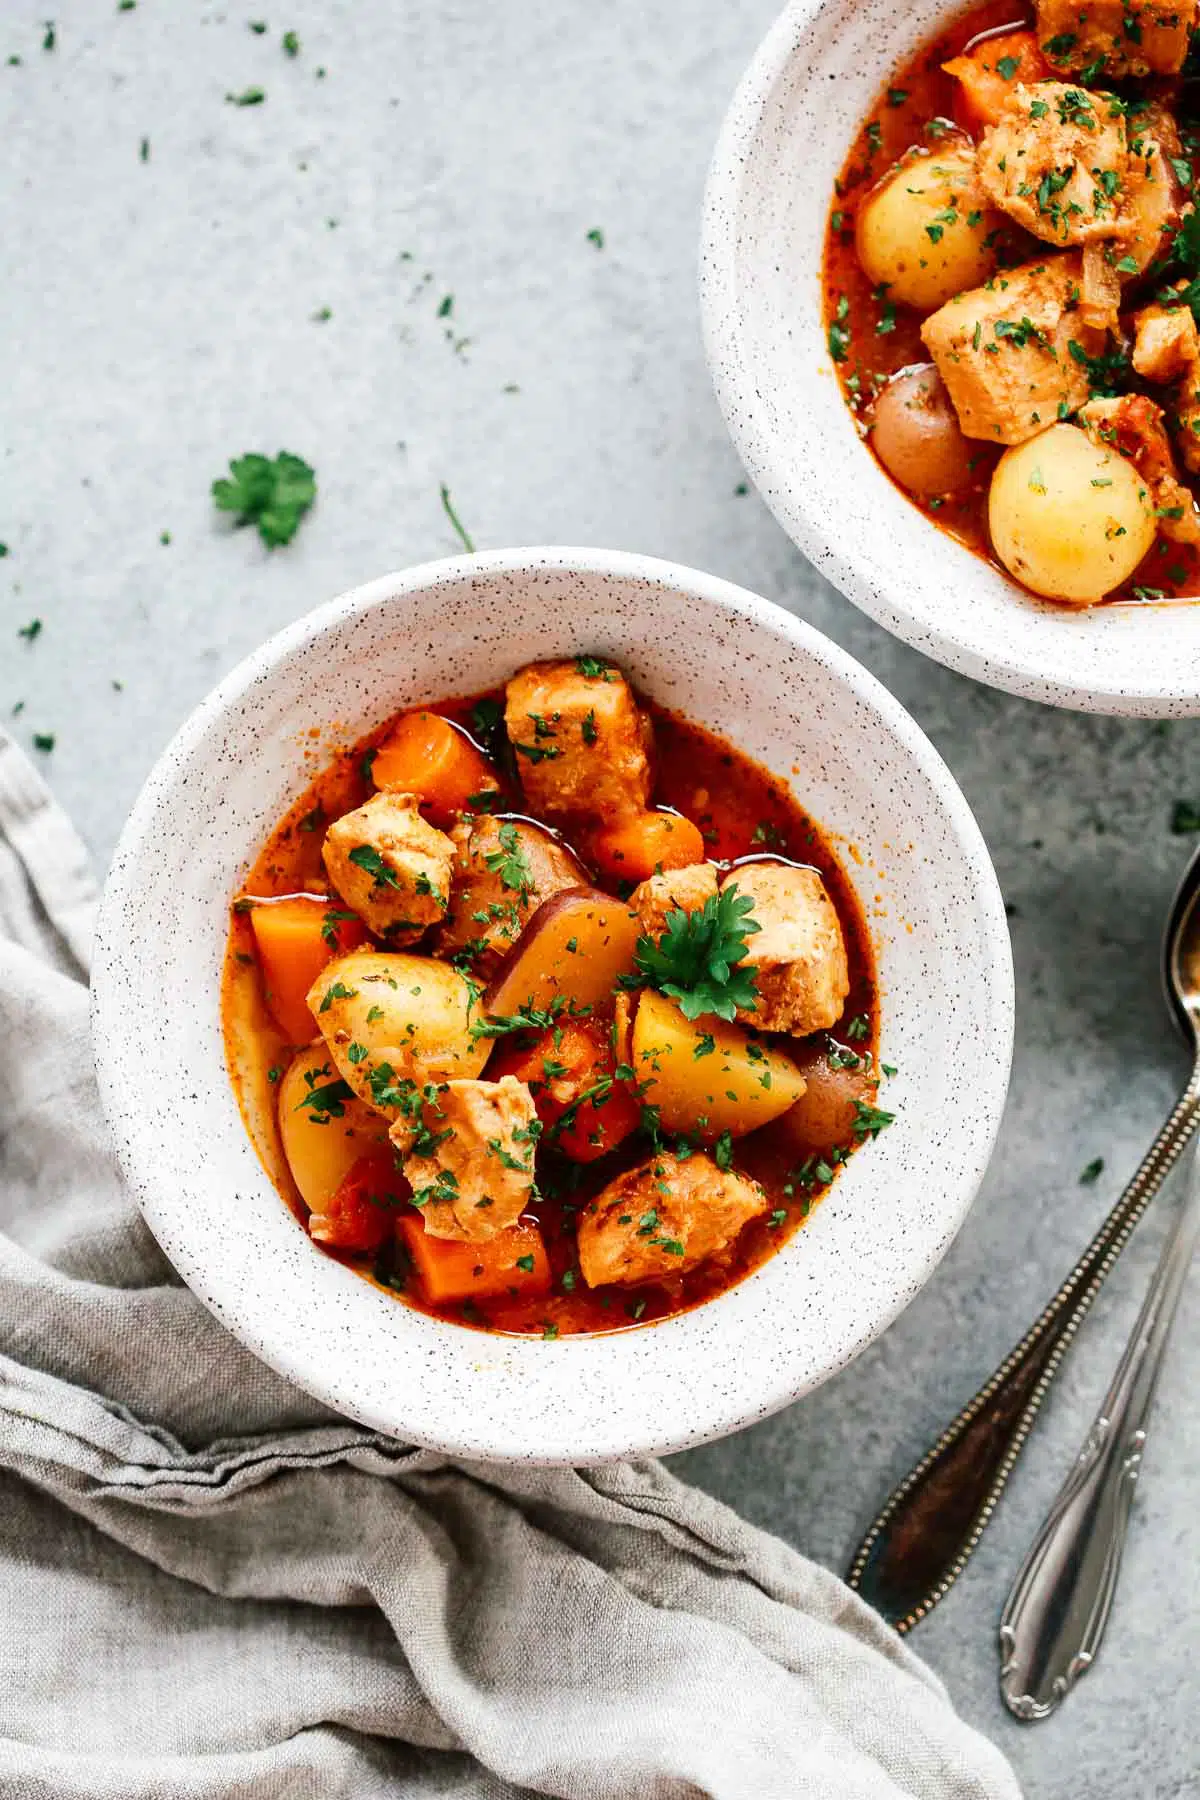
x: 916, y: 435
x: 824, y: 1117
x: 576, y: 944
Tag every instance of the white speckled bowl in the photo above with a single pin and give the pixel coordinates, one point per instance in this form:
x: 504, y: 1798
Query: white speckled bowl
x: 787, y: 697
x: 814, y: 79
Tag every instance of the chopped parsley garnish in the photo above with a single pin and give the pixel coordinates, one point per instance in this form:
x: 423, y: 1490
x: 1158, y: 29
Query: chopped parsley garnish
x: 44, y: 740
x: 723, y: 1151
x: 510, y: 862
x: 1007, y: 67
x: 1092, y: 1172
x: 839, y: 331
x: 858, y: 1027
x: 526, y: 1263
x: 291, y: 43
x: 594, y: 668
x: 331, y: 921
x: 365, y: 856
x: 327, y: 1102
x: 587, y: 729
x: 897, y: 96
x: 536, y: 752
x: 251, y: 96
x: 31, y: 631
x: 595, y: 236
x: 869, y: 1121
x: 696, y: 960
x: 1185, y: 817
x: 273, y: 495
x: 338, y: 991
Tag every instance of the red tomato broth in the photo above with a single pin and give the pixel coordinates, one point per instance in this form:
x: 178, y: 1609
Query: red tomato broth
x: 1170, y: 570
x: 742, y: 812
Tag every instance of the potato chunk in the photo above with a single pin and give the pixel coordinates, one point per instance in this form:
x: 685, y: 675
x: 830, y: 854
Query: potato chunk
x: 924, y: 232
x: 664, y: 1218
x: 503, y: 870
x: 1122, y: 38
x: 1166, y: 344
x: 798, y: 953
x: 323, y: 1133
x: 705, y: 1077
x: 582, y: 743
x: 1069, y: 518
x: 391, y: 1020
x: 1057, y: 162
x: 467, y: 1149
x: 391, y: 866
x: 687, y: 889
x: 1005, y: 351
x: 1133, y: 426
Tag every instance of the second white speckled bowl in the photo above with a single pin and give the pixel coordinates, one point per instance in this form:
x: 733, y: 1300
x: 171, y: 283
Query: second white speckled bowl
x: 786, y: 696
x: 795, y: 114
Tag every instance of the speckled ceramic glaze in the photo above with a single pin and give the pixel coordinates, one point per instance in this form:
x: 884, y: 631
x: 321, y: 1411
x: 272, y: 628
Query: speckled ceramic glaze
x: 793, y: 118
x: 790, y: 699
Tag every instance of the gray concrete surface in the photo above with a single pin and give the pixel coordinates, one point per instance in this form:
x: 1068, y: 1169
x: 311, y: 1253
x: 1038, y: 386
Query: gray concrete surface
x: 159, y: 318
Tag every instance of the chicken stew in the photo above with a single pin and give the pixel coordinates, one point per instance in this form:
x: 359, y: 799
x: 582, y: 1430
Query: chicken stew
x: 549, y: 1011
x: 1012, y: 282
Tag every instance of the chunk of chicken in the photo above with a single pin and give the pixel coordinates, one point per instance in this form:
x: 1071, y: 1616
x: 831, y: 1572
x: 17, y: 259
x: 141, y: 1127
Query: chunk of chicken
x: 687, y: 889
x: 1133, y: 426
x: 582, y: 742
x: 798, y: 953
x: 664, y: 1218
x: 1166, y: 344
x: 467, y: 1149
x: 1013, y: 354
x: 503, y: 870
x: 390, y: 866
x: 1056, y: 162
x: 1120, y: 38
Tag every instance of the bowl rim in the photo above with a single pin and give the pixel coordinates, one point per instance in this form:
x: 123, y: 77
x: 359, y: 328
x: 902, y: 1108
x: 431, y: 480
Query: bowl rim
x: 1019, y: 670
x: 473, y: 1438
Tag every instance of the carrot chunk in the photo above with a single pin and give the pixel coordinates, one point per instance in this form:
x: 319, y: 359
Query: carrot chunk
x: 450, y: 1271
x: 359, y: 1215
x: 295, y: 938
x: 428, y: 756
x: 638, y: 848
x: 988, y: 74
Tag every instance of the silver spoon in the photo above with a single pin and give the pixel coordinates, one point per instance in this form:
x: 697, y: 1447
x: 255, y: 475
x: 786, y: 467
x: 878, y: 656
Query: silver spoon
x: 1056, y: 1613
x: 923, y: 1537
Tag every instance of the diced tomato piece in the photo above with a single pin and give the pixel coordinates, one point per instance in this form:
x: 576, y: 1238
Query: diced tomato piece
x: 362, y: 1213
x: 449, y: 1271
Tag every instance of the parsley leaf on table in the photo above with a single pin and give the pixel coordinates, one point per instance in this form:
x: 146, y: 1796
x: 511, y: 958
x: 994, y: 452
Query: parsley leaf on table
x: 695, y: 960
x: 274, y: 495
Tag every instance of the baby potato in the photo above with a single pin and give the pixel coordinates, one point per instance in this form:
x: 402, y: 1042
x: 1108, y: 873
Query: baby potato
x: 923, y: 230
x: 917, y: 437
x: 1069, y: 518
x: 322, y: 1143
x: 379, y: 1011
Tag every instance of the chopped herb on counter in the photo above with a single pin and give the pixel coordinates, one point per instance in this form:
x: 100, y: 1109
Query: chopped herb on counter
x: 451, y: 514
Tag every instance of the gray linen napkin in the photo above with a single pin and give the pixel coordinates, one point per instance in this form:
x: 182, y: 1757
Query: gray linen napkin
x: 212, y: 1587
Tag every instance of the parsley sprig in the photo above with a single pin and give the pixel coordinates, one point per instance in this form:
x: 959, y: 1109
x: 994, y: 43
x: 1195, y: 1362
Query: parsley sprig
x: 274, y: 495
x: 697, y: 959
